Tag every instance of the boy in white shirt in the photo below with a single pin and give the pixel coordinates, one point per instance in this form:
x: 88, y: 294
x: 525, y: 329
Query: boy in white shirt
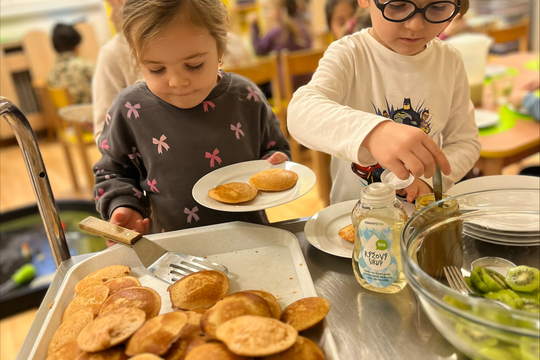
x: 398, y: 68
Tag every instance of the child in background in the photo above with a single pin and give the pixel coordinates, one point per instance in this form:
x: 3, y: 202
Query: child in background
x: 345, y: 17
x: 526, y: 97
x: 286, y: 29
x: 187, y: 119
x: 395, y: 67
x: 69, y: 70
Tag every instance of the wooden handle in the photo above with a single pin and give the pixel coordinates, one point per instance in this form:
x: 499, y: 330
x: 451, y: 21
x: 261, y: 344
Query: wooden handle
x: 107, y: 230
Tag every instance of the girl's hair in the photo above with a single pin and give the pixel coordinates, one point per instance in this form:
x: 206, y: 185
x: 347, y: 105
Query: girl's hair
x: 144, y: 19
x: 288, y: 20
x: 331, y: 5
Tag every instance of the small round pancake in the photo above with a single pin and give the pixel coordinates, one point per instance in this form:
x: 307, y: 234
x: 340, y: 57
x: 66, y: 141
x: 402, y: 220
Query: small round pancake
x: 214, y: 351
x: 139, y: 297
x: 110, y: 329
x: 234, y: 305
x: 275, y: 308
x: 70, y: 329
x: 93, y: 297
x: 233, y: 193
x: 146, y: 357
x: 115, y: 353
x: 157, y: 334
x: 250, y: 335
x: 303, y: 349
x: 68, y: 351
x: 200, y: 290
x: 100, y: 276
x: 193, y: 325
x: 184, y: 345
x: 115, y: 285
x: 305, y: 313
x: 274, y: 180
x: 347, y: 233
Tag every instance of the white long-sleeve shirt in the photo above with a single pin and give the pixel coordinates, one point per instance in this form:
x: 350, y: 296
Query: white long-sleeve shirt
x: 358, y: 80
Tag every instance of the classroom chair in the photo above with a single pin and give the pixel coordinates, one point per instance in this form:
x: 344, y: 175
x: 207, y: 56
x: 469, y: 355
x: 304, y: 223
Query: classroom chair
x: 517, y: 32
x: 70, y: 132
x: 303, y: 62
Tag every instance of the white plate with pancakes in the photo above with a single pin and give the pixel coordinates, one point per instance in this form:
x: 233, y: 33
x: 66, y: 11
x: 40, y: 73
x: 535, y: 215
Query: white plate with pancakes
x: 322, y: 229
x: 242, y: 172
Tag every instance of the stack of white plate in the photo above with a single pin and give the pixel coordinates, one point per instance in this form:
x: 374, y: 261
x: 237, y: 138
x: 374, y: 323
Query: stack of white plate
x: 505, y: 230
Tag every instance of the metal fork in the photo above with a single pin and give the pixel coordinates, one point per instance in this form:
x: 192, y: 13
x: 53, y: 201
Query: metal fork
x: 458, y: 283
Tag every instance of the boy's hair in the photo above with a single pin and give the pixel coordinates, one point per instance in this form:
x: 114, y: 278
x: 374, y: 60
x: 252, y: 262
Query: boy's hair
x: 144, y: 19
x: 331, y: 6
x: 464, y: 7
x: 65, y: 38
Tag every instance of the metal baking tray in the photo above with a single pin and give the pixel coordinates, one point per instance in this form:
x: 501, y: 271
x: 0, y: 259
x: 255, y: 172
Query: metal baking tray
x: 258, y: 257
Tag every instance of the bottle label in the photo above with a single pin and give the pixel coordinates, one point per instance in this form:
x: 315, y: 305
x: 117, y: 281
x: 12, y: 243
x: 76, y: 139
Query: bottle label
x: 377, y: 264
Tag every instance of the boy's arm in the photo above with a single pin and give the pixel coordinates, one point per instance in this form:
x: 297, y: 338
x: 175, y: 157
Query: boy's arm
x: 317, y: 118
x: 272, y: 138
x: 118, y: 171
x: 460, y: 135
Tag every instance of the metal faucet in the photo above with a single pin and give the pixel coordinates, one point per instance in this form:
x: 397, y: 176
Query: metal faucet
x: 38, y: 175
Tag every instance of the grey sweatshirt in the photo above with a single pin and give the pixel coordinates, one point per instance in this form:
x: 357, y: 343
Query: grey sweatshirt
x: 153, y: 152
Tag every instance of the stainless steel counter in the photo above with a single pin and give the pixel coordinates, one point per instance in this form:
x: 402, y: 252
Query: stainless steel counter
x: 364, y: 325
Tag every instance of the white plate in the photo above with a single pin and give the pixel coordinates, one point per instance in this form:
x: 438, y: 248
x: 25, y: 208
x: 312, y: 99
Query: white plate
x: 494, y: 182
x: 323, y: 228
x: 501, y: 238
x: 485, y: 118
x: 498, y: 242
x: 241, y: 172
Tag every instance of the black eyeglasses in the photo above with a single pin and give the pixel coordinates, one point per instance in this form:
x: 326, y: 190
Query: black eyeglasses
x: 402, y: 10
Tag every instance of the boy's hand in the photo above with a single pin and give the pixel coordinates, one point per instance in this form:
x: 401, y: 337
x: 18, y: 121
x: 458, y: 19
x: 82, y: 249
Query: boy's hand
x: 130, y: 219
x: 277, y: 158
x: 416, y: 189
x: 398, y: 147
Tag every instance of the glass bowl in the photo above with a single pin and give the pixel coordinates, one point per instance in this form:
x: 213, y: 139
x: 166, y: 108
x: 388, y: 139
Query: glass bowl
x: 489, y: 224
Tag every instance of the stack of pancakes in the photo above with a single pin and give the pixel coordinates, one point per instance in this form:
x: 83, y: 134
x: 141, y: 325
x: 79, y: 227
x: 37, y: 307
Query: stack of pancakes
x: 117, y: 318
x: 272, y: 180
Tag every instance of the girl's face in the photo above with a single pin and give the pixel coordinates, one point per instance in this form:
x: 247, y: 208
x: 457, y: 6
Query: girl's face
x: 181, y: 65
x: 343, y: 12
x: 271, y: 11
x: 406, y: 38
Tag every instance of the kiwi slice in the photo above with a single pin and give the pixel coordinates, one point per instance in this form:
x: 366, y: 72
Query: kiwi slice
x: 498, y: 353
x: 507, y: 297
x: 487, y: 280
x: 456, y: 303
x: 478, y: 339
x: 523, y: 278
x: 529, y: 352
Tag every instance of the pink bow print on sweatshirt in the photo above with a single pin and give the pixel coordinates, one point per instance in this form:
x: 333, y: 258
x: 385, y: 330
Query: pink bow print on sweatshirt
x: 135, y: 154
x: 213, y: 157
x: 133, y: 110
x: 108, y: 118
x: 252, y: 94
x: 206, y: 104
x: 104, y: 145
x: 270, y: 144
x: 137, y: 193
x: 152, y: 185
x: 101, y: 193
x: 191, y: 214
x: 161, y: 143
x: 237, y: 130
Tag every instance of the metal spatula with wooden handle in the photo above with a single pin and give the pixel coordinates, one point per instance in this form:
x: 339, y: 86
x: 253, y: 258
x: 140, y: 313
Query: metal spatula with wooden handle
x: 166, y: 265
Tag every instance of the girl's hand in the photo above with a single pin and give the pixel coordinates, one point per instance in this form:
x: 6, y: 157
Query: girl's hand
x: 277, y: 158
x: 416, y: 189
x: 130, y: 219
x: 401, y: 148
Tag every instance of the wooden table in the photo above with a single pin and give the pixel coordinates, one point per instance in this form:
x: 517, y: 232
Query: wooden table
x: 500, y: 150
